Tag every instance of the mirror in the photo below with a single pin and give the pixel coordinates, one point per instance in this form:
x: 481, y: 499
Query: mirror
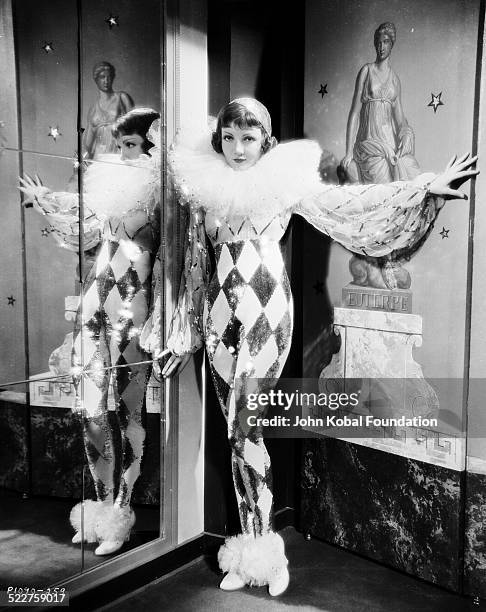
x: 88, y: 437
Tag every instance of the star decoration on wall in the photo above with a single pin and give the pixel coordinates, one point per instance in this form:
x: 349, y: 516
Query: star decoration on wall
x: 318, y: 287
x: 11, y: 300
x: 45, y: 232
x: 444, y: 233
x: 436, y: 101
x: 112, y: 21
x: 48, y: 48
x: 54, y: 132
x: 323, y: 90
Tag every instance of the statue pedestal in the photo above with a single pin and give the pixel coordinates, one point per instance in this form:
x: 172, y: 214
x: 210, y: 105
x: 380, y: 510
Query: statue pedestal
x: 369, y: 298
x: 377, y: 346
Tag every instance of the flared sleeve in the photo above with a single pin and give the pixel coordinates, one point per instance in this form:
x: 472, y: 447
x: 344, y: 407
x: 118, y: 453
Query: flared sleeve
x: 186, y: 328
x: 61, y: 210
x: 373, y: 220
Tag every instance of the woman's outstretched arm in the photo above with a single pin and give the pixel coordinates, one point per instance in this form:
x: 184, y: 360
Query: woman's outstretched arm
x: 375, y: 220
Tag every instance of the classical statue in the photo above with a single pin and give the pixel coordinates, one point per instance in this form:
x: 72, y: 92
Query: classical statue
x: 109, y: 106
x: 379, y: 142
x: 380, y: 147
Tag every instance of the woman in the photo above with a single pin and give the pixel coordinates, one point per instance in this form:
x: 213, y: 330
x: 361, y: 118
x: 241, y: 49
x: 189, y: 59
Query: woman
x: 121, y: 223
x: 242, y: 191
x: 98, y: 138
x: 379, y: 141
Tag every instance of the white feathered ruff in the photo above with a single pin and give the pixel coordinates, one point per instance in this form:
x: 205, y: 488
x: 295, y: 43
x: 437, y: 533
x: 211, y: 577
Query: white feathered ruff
x: 102, y: 522
x: 91, y: 510
x: 114, y: 187
x: 114, y: 524
x: 280, y: 179
x: 257, y: 560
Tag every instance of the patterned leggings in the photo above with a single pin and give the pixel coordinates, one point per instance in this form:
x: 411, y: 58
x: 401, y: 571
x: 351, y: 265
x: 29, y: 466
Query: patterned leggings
x: 248, y: 328
x: 106, y: 334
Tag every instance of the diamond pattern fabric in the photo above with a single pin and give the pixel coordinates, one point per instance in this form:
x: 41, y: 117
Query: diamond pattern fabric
x: 107, y: 330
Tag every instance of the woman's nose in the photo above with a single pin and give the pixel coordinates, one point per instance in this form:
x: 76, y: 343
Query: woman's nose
x: 239, y: 147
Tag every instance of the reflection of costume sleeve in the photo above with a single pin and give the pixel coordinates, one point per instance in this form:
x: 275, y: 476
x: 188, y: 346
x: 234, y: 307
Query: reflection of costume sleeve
x: 150, y: 336
x: 186, y: 333
x: 61, y: 210
x: 373, y: 220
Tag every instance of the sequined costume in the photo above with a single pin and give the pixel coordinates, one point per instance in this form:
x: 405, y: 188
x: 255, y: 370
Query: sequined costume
x: 243, y: 311
x: 121, y: 221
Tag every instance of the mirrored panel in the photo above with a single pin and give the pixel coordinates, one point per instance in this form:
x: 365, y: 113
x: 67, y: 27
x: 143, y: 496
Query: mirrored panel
x: 120, y: 399
x: 79, y: 403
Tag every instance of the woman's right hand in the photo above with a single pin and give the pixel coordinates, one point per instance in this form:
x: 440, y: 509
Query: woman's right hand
x: 174, y: 364
x: 346, y: 160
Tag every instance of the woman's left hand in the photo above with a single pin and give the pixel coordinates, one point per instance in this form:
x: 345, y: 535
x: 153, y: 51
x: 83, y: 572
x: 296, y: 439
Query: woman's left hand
x: 457, y: 172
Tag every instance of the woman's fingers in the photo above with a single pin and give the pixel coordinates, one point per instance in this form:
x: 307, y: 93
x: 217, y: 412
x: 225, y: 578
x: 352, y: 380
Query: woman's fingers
x: 175, y: 364
x: 171, y: 367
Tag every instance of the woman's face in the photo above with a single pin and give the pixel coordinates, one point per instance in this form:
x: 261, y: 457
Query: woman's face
x: 383, y: 46
x: 130, y: 146
x: 242, y: 147
x: 104, y: 81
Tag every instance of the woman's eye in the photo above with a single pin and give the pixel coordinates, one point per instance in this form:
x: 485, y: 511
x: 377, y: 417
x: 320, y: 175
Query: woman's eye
x: 227, y: 137
x: 249, y: 139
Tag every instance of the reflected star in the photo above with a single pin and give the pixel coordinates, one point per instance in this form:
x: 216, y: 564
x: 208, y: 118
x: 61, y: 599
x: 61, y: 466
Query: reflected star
x: 54, y: 132
x: 323, y: 90
x: 11, y: 300
x: 318, y: 287
x: 112, y: 21
x: 444, y: 233
x: 436, y: 101
x: 47, y: 47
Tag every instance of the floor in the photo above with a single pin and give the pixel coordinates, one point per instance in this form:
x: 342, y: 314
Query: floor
x: 322, y: 577
x: 35, y: 540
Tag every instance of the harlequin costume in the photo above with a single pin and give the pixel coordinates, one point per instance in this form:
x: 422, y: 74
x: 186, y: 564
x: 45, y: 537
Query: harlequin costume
x: 243, y: 311
x: 122, y: 223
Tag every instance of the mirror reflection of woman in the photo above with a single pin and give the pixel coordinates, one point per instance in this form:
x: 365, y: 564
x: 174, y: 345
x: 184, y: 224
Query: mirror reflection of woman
x: 379, y: 142
x: 98, y: 137
x: 241, y: 190
x: 122, y: 225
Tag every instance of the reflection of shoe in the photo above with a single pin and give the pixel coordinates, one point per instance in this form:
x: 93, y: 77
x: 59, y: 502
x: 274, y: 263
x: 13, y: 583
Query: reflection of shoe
x: 84, y: 517
x: 108, y: 548
x: 279, y: 583
x: 113, y: 528
x: 231, y: 582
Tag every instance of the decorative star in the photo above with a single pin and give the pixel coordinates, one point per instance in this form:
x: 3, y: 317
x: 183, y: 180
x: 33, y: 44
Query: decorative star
x: 323, y: 90
x: 48, y: 48
x: 54, y: 132
x: 444, y: 233
x: 45, y: 232
x: 112, y: 21
x: 318, y: 287
x: 11, y: 300
x: 436, y: 101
